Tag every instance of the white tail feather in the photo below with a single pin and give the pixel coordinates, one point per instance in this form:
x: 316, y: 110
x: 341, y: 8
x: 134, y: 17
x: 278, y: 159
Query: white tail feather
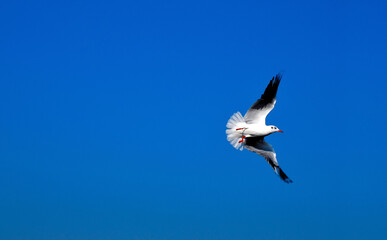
x: 233, y: 136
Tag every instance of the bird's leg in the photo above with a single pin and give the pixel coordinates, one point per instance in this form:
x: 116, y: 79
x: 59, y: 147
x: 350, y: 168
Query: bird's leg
x: 243, y: 138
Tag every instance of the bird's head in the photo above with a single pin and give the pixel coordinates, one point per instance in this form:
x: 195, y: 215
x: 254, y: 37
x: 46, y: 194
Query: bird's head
x: 274, y: 129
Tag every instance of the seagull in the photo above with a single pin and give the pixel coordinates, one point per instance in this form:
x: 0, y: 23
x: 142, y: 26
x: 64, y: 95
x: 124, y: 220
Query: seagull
x: 249, y: 131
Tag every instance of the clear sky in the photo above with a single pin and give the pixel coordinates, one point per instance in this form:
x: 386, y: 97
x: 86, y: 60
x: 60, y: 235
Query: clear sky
x: 113, y: 115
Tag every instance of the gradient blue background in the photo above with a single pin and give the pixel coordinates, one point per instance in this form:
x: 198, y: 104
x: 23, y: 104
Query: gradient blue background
x: 113, y: 119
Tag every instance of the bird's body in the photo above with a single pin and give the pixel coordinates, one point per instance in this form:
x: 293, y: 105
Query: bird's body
x: 249, y: 131
x: 257, y: 130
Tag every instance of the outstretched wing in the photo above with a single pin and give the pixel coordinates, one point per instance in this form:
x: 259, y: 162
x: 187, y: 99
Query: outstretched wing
x: 259, y: 146
x: 258, y: 111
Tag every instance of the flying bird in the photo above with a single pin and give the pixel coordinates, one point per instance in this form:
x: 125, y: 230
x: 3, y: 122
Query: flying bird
x: 249, y: 131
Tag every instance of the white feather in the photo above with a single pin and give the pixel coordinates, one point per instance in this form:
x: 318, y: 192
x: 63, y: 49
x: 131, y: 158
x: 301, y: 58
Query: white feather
x: 233, y: 136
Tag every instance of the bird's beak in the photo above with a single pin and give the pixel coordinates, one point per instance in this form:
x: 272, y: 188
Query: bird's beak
x: 280, y: 131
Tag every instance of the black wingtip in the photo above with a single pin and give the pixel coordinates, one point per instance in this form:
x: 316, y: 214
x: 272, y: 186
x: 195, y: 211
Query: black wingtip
x: 282, y: 175
x: 271, y: 90
x: 278, y: 77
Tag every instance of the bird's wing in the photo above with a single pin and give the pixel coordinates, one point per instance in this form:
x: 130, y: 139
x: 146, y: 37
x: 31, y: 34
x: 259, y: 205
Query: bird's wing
x: 258, y: 111
x: 259, y: 146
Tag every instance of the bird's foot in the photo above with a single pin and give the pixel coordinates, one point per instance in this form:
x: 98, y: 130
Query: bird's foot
x: 243, y: 138
x: 239, y: 129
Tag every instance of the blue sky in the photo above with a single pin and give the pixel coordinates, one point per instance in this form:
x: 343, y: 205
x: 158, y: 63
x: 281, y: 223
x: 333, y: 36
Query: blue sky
x: 113, y: 119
